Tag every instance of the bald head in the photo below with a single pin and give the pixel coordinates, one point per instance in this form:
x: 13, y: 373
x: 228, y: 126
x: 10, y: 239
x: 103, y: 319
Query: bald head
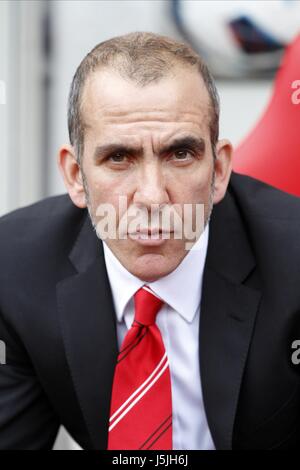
x: 144, y: 59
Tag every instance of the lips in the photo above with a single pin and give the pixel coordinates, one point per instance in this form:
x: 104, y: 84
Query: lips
x: 145, y: 234
x: 147, y: 237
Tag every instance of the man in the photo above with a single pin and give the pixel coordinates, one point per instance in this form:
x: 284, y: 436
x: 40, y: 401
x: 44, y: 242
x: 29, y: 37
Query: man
x: 136, y: 341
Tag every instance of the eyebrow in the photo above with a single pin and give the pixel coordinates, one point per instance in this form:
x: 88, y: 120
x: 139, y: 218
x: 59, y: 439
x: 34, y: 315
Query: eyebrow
x: 190, y: 142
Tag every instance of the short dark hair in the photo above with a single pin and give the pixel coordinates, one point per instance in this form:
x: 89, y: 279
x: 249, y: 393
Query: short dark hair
x: 143, y: 58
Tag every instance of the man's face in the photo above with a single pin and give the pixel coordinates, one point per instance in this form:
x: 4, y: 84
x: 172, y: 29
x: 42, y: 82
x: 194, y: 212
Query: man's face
x: 152, y: 146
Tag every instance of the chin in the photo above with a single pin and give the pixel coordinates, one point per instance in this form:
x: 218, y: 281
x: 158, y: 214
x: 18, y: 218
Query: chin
x: 151, y: 267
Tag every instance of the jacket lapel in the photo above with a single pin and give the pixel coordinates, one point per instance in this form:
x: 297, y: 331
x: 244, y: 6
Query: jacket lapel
x: 228, y: 311
x: 89, y: 332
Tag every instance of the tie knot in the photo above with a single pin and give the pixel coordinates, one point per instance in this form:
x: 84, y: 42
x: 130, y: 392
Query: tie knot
x: 147, y: 306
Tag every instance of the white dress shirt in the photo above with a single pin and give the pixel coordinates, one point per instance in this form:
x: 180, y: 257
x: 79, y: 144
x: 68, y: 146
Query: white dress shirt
x: 178, y: 321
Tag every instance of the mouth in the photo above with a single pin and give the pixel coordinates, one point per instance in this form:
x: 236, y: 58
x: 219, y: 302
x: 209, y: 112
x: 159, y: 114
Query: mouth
x: 154, y: 237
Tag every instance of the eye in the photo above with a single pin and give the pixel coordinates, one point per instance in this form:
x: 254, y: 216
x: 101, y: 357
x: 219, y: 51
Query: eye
x: 117, y: 158
x: 182, y: 155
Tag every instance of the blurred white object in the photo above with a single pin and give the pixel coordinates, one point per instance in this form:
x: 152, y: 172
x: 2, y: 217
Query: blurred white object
x: 22, y: 74
x: 65, y: 442
x: 239, y: 38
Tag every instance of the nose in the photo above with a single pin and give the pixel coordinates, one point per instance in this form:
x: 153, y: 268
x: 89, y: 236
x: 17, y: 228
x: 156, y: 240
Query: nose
x: 151, y: 186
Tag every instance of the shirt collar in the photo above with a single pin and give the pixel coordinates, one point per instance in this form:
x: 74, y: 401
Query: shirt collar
x: 181, y: 289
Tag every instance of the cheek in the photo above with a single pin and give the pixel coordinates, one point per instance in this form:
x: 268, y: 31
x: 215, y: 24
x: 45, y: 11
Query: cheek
x: 108, y: 191
x: 191, y: 187
x: 104, y: 188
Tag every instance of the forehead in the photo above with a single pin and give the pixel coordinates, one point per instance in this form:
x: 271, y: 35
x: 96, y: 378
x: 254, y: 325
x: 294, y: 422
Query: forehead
x: 111, y: 103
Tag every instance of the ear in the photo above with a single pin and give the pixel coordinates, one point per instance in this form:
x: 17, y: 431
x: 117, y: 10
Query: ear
x: 72, y: 176
x: 223, y: 169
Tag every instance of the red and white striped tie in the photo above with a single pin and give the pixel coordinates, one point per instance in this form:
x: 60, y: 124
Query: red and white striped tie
x: 141, y: 403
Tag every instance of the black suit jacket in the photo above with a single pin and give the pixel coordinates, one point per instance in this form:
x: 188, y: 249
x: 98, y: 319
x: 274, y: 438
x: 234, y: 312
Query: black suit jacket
x: 58, y: 322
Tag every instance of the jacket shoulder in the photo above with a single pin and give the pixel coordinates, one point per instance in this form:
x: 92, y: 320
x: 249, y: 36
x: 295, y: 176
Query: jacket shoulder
x: 262, y: 200
x: 50, y: 206
x: 40, y: 233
